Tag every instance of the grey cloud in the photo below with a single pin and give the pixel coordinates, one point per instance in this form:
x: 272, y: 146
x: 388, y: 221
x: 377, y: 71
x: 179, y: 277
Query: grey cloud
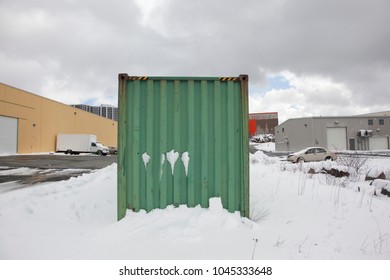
x: 90, y: 42
x: 346, y: 40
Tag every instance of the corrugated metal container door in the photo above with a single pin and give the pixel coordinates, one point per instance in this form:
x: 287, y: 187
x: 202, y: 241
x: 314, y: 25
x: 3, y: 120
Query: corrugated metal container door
x: 182, y: 141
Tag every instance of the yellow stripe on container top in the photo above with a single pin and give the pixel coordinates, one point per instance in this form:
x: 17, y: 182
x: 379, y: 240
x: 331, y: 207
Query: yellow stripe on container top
x: 138, y: 78
x: 225, y: 79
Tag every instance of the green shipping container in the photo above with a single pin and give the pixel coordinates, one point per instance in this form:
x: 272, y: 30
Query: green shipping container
x: 182, y: 140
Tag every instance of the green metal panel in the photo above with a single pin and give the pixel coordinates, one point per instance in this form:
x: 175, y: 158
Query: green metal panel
x: 182, y: 140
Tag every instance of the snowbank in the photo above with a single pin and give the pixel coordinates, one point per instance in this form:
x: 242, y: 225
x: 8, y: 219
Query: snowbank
x: 294, y: 215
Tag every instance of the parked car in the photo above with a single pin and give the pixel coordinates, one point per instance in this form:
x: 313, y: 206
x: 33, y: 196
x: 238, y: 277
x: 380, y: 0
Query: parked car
x: 113, y: 150
x: 312, y: 154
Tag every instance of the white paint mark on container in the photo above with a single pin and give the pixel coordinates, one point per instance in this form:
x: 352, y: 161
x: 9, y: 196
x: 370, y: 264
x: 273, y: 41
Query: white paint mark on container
x: 145, y: 158
x: 172, y: 157
x: 161, y: 166
x: 185, y: 158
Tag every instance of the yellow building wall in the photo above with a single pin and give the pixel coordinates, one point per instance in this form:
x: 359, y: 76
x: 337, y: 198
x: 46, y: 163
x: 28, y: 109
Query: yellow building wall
x: 40, y: 120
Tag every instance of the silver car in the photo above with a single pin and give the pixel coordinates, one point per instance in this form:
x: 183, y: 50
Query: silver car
x: 312, y: 154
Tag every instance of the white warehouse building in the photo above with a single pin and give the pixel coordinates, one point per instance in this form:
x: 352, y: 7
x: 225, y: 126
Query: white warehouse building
x: 362, y: 132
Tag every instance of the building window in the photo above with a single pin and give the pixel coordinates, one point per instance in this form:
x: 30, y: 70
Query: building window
x: 370, y: 122
x: 282, y: 129
x: 381, y: 121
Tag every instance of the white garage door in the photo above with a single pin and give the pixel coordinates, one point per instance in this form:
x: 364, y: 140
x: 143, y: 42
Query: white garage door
x: 8, y: 135
x: 336, y: 138
x: 378, y: 143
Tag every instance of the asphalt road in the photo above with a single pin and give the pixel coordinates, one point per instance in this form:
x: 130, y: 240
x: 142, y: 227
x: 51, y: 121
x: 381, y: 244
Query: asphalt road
x: 47, y: 168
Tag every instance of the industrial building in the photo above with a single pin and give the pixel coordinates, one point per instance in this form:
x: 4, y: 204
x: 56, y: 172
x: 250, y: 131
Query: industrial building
x: 262, y: 123
x: 104, y: 110
x: 362, y: 132
x: 29, y: 123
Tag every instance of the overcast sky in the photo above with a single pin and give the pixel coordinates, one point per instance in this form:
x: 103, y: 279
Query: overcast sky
x: 303, y: 57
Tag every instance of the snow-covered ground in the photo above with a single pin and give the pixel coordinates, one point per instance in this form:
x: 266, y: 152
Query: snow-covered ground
x: 294, y: 215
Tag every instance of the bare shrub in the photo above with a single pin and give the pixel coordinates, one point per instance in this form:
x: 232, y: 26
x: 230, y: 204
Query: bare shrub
x: 254, y: 160
x: 258, y: 211
x: 354, y: 162
x: 279, y: 242
x: 302, y: 184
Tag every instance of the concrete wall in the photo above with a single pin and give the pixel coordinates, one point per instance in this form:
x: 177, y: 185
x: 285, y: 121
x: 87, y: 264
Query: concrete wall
x: 41, y: 119
x: 294, y: 134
